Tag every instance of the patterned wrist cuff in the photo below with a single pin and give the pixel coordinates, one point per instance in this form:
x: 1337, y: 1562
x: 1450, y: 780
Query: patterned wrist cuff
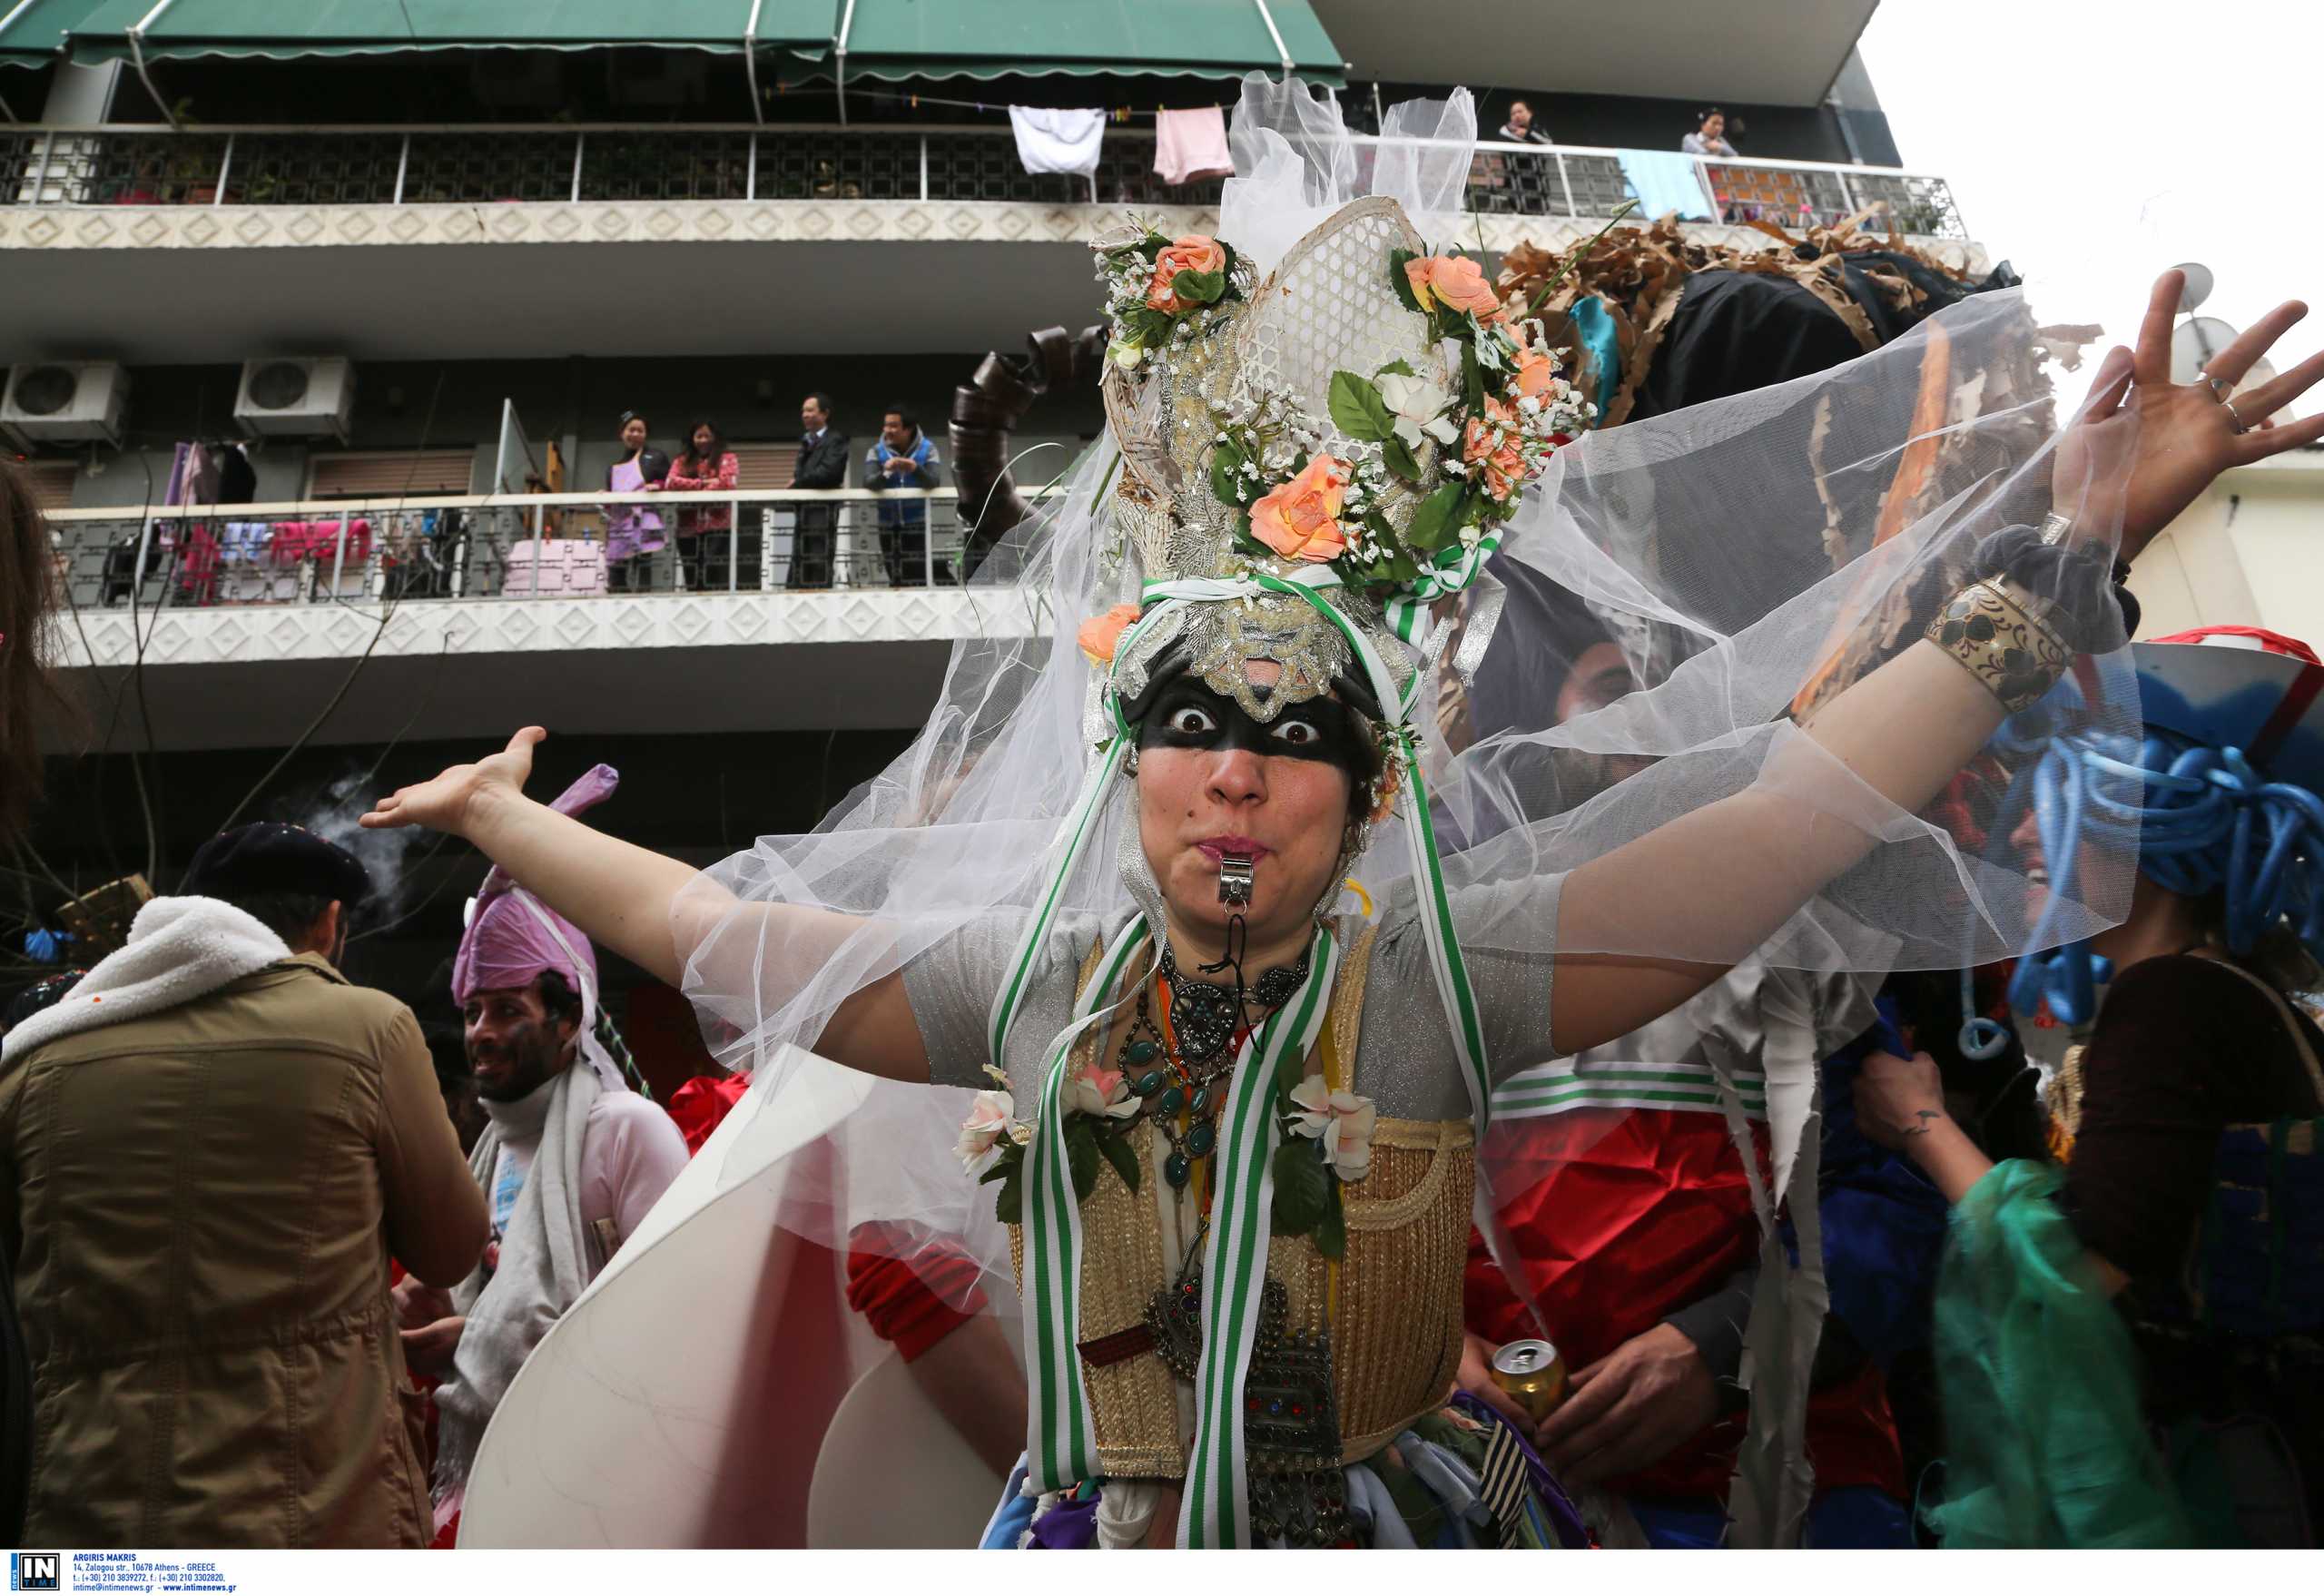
x: 2001, y: 636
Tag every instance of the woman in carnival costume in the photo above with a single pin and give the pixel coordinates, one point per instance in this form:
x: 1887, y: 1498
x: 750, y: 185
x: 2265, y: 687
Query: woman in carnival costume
x: 1227, y: 1138
x: 2131, y: 1347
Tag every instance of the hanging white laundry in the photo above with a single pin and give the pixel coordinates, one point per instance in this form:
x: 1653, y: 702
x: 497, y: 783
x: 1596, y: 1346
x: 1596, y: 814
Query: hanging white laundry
x: 1058, y: 141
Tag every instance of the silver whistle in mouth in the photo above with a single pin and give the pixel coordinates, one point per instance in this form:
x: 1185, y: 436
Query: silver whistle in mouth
x: 1235, y: 880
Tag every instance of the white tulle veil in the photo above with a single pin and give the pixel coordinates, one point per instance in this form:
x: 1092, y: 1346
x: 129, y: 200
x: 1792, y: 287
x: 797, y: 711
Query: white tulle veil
x: 1772, y: 545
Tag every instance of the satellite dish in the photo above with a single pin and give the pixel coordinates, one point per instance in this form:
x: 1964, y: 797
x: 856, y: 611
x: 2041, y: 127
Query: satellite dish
x: 2192, y: 344
x: 2198, y: 287
x: 2197, y: 340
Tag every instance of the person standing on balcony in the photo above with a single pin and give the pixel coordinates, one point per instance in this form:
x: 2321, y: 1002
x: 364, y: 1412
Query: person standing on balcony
x: 1710, y: 137
x: 707, y: 465
x: 1500, y: 183
x: 1519, y: 129
x: 821, y: 464
x: 209, y: 1149
x: 903, y: 457
x: 633, y: 531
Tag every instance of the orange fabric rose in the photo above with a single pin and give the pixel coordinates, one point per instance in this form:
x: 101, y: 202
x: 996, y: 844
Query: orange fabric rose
x: 1537, y: 373
x: 1493, y: 444
x: 1193, y: 252
x: 1455, y: 281
x: 1101, y: 635
x: 1300, y: 519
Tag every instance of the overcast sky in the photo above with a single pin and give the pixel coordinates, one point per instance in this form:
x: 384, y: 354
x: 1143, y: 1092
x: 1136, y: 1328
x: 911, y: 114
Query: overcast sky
x: 2093, y: 142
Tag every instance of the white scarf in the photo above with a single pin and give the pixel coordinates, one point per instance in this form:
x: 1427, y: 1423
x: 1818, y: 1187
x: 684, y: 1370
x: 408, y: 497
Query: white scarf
x: 544, y: 1265
x: 179, y: 948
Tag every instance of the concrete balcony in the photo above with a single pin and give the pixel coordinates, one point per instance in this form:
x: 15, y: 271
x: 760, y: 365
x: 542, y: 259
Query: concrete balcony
x: 499, y: 242
x: 457, y: 617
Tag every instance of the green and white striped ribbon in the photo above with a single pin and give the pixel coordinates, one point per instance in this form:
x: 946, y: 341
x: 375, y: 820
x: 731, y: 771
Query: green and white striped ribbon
x: 1215, y: 1511
x: 1060, y: 1446
x: 1451, y: 571
x: 1080, y: 827
x: 1564, y: 1086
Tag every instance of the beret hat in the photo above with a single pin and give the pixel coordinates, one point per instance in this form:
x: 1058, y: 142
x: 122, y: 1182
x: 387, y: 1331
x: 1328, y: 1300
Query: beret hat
x: 273, y: 856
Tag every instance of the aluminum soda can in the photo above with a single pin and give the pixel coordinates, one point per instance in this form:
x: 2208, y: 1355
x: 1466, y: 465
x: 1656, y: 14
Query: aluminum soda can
x: 1533, y: 1374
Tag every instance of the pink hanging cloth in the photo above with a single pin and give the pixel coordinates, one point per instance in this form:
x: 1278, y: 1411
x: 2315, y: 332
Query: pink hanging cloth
x: 1188, y: 144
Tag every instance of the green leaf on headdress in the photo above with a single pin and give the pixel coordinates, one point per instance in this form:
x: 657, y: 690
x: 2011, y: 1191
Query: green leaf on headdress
x: 1152, y: 245
x: 1400, y: 281
x: 1116, y: 1146
x: 1397, y: 367
x: 1009, y: 1207
x: 1303, y: 1187
x: 1331, y: 1230
x: 1400, y: 459
x: 1227, y: 250
x: 1148, y: 329
x: 1472, y: 379
x: 1438, y: 518
x: 1199, y: 288
x: 1358, y: 411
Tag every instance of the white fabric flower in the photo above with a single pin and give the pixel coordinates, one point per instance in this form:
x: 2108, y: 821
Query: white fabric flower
x: 1341, y: 1121
x: 1418, y: 405
x: 1096, y: 1090
x: 991, y: 1118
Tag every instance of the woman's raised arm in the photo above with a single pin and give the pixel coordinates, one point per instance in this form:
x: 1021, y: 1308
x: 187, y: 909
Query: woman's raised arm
x: 637, y: 902
x: 1728, y: 875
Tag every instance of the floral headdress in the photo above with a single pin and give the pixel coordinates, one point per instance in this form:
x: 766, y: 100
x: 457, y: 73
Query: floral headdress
x: 1335, y: 449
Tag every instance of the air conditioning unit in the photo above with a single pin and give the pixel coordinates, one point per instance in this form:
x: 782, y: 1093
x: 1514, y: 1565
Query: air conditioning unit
x: 297, y: 396
x: 65, y: 401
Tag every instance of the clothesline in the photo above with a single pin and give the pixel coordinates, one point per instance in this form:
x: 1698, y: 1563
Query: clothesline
x: 1115, y: 113
x: 1118, y: 114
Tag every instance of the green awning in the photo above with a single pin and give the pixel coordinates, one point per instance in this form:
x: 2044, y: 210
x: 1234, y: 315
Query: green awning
x: 275, y: 31
x: 888, y: 40
x: 895, y: 40
x: 33, y: 31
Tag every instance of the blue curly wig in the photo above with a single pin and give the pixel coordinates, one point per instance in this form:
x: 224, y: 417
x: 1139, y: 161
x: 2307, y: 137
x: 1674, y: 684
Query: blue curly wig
x: 2203, y: 821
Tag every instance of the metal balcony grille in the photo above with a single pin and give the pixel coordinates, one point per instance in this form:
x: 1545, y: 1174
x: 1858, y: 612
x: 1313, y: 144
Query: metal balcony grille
x: 381, y: 166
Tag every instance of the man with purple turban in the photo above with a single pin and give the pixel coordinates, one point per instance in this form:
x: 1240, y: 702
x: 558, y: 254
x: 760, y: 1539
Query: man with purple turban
x: 570, y: 1160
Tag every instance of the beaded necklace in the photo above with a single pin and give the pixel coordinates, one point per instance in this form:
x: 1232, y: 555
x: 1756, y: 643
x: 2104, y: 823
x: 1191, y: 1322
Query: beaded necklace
x: 1174, y: 1065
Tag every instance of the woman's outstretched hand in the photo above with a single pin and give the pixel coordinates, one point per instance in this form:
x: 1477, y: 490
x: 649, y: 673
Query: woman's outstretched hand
x: 451, y: 801
x: 2145, y: 446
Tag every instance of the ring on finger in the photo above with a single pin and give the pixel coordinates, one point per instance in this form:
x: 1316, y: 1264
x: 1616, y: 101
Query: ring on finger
x: 2234, y: 420
x: 2219, y: 386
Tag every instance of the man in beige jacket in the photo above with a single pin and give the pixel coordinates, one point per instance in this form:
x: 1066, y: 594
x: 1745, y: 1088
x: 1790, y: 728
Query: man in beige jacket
x: 209, y: 1150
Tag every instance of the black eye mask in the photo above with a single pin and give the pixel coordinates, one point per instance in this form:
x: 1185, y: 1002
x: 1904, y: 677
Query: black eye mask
x: 1185, y: 713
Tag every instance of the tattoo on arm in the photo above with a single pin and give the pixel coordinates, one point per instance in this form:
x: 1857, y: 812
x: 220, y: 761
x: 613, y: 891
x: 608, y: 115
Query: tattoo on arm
x: 1924, y: 1116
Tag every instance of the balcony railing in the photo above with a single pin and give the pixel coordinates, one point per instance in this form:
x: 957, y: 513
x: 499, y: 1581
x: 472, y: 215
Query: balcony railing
x: 142, y: 165
x: 564, y: 545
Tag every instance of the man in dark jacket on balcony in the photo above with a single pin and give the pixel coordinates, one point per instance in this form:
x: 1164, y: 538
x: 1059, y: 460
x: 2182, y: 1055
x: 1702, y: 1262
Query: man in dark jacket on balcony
x: 822, y: 463
x: 208, y: 1150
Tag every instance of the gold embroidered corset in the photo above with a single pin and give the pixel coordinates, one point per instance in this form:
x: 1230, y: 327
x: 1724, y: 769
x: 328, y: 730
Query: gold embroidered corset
x: 1391, y: 1305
